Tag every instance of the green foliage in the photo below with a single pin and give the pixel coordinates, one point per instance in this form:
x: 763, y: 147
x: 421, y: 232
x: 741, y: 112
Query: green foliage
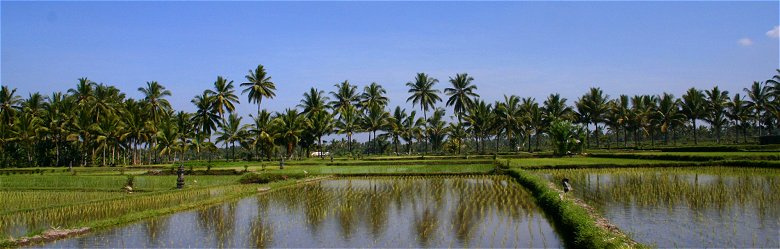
x: 578, y: 226
x: 566, y: 137
x: 130, y: 181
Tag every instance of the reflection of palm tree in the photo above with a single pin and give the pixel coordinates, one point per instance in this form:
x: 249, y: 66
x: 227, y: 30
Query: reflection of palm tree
x: 219, y: 220
x: 262, y: 233
x: 377, y: 209
x: 154, y: 227
x: 425, y: 225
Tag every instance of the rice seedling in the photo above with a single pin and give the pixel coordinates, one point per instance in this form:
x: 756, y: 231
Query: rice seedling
x: 686, y: 207
x: 403, y: 211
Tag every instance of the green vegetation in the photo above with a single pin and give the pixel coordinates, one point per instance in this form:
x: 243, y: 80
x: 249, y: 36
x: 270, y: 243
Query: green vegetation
x: 580, y: 161
x: 98, y: 125
x: 578, y: 224
x: 693, y: 156
x: 683, y: 207
x: 105, y: 182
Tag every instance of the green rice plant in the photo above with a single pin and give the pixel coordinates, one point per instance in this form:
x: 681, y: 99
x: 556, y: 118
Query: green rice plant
x: 579, y: 227
x: 72, y: 215
x: 14, y: 201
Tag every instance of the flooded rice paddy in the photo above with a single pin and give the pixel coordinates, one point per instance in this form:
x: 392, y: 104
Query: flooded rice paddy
x: 477, y: 211
x: 700, y: 207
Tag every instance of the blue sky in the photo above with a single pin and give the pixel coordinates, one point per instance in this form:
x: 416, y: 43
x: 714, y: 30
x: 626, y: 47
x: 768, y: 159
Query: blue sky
x: 522, y: 48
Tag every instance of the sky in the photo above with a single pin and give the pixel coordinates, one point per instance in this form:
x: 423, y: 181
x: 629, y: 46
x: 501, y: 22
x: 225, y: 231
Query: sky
x: 529, y: 49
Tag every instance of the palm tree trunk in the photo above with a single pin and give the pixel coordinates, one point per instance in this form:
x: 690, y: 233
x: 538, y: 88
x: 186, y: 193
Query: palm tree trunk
x: 625, y: 137
x: 425, y: 135
x: 369, y: 143
x: 319, y: 140
x: 597, y: 134
x: 695, y: 138
x: 717, y: 133
x: 375, y: 145
x: 395, y: 142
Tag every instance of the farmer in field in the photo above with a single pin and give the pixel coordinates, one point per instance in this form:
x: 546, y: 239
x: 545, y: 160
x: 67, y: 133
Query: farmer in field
x: 566, y: 185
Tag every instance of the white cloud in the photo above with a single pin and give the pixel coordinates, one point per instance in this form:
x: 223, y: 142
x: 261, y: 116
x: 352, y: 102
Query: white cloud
x: 774, y: 33
x: 745, y: 42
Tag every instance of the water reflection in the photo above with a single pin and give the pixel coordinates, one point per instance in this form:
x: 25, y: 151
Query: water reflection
x: 702, y: 207
x: 479, y: 211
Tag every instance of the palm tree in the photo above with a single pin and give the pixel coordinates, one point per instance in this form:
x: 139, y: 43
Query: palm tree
x: 26, y: 130
x: 223, y: 96
x: 456, y: 135
x: 773, y: 87
x: 186, y: 129
x: 157, y: 107
x: 593, y: 106
x: 56, y: 121
x: 10, y: 103
x: 422, y: 93
x: 231, y: 133
x: 461, y: 93
x: 738, y: 112
x: 437, y: 129
x: 395, y: 126
x: 204, y: 120
x: 154, y: 96
x: 132, y: 117
x: 321, y: 124
x: 373, y: 96
x: 528, y: 109
x: 105, y: 101
x: 715, y: 106
x: 411, y: 125
x: 290, y: 126
x: 168, y: 142
x: 313, y: 102
x: 621, y: 111
x: 84, y: 92
x: 479, y: 119
x: 509, y: 117
x: 374, y: 120
x: 694, y: 107
x: 759, y: 101
x: 668, y: 114
x: 259, y: 86
x: 264, y: 133
x: 346, y: 95
x: 348, y: 123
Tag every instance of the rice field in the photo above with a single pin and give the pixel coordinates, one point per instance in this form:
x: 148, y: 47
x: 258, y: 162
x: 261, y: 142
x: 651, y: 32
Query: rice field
x: 14, y: 201
x: 105, y: 182
x: 74, y: 211
x: 408, y: 211
x: 579, y: 161
x: 685, y: 207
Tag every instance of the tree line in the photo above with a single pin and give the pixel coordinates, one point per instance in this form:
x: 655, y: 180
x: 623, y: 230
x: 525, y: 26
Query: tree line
x: 96, y: 124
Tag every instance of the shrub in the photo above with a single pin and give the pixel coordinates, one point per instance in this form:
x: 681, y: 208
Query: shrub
x: 130, y: 180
